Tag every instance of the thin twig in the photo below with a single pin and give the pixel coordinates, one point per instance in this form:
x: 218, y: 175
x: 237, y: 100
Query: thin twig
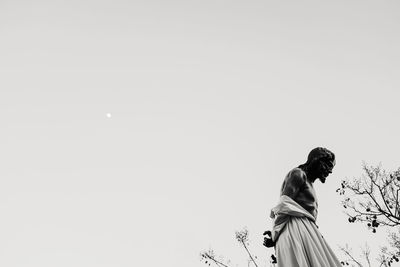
x: 351, y: 257
x: 248, y: 252
x: 218, y: 263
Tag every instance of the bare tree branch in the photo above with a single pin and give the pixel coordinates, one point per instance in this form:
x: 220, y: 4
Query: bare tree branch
x: 363, y: 197
x: 347, y: 252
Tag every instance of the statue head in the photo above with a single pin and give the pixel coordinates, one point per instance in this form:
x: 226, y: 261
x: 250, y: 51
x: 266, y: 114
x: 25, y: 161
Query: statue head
x: 319, y: 165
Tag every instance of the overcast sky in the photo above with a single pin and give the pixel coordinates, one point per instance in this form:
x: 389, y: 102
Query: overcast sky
x: 140, y: 133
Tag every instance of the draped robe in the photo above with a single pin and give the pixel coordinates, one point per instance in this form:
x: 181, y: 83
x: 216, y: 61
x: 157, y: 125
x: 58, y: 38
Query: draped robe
x: 298, y: 240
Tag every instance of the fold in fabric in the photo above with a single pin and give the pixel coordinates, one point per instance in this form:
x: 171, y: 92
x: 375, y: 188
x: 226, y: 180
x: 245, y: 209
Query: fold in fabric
x: 298, y: 240
x: 282, y: 213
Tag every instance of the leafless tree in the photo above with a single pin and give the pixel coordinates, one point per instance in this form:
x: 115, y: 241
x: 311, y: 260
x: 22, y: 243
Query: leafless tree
x: 373, y: 199
x: 209, y: 257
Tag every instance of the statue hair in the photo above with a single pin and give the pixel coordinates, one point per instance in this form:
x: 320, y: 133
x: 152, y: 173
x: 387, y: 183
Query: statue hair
x: 318, y: 153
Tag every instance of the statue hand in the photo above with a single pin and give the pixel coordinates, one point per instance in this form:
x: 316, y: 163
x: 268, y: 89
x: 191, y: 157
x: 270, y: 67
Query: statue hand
x: 268, y: 240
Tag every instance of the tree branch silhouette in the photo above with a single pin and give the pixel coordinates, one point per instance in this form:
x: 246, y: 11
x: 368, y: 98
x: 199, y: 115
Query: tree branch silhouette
x: 373, y: 198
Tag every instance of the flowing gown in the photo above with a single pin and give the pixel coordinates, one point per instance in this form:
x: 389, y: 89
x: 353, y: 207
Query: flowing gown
x: 298, y: 240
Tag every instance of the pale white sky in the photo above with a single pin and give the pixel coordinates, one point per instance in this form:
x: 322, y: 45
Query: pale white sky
x: 139, y: 133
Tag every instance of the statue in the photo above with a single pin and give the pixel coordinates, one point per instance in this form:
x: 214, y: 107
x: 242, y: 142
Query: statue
x: 295, y: 235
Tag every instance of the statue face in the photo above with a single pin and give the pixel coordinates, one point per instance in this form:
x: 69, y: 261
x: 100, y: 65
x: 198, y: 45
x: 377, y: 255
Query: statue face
x: 324, y: 168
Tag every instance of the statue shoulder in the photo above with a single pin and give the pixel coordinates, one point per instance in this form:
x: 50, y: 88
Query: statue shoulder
x: 297, y: 177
